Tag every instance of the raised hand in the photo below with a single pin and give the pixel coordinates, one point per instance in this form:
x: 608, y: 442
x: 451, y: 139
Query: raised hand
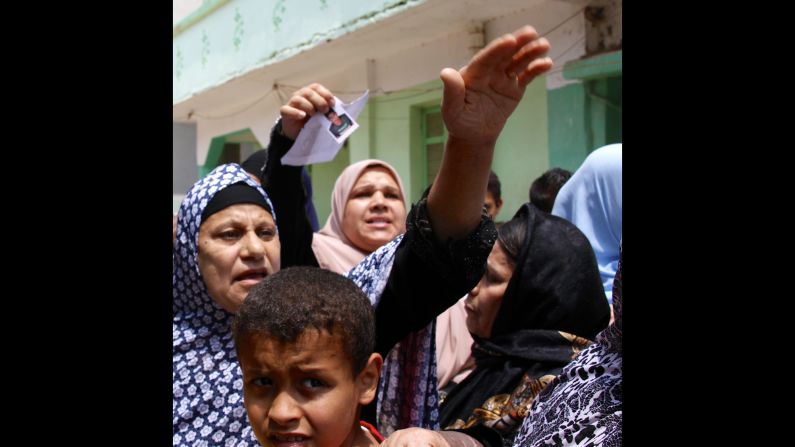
x: 304, y: 103
x: 479, y: 98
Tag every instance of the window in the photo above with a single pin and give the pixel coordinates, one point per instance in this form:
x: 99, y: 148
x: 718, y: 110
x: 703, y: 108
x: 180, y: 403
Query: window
x: 604, y: 107
x: 434, y: 135
x: 230, y: 154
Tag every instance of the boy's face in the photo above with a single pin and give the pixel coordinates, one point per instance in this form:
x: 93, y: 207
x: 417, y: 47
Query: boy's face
x: 492, y: 206
x: 304, y: 394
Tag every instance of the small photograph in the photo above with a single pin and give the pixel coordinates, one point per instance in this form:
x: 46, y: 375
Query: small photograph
x: 341, y: 125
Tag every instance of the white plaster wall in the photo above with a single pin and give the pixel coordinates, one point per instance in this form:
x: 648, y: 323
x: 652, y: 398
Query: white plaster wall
x: 604, y: 32
x: 183, y: 8
x: 422, y: 63
x: 391, y: 72
x: 183, y: 160
x: 259, y: 119
x: 561, y: 22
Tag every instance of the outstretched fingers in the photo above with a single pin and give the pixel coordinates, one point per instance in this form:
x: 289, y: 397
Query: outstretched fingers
x: 525, y: 35
x: 535, y: 68
x: 495, y: 56
x: 521, y: 40
x: 526, y: 54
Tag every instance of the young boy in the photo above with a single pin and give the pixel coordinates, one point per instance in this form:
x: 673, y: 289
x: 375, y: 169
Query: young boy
x: 305, y: 339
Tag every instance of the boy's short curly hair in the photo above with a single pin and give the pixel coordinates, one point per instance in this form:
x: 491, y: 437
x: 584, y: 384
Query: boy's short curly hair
x: 293, y: 300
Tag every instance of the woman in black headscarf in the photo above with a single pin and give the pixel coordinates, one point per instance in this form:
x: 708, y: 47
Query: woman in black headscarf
x: 539, y: 304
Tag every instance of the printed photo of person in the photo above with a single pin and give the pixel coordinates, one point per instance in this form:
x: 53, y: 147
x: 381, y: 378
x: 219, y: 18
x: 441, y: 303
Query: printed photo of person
x: 339, y: 123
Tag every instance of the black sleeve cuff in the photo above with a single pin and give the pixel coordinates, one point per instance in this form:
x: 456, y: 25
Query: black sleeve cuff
x: 460, y: 263
x: 427, y: 276
x: 279, y: 143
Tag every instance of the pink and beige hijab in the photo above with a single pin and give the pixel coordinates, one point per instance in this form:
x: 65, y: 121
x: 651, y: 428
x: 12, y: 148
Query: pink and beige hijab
x: 332, y: 249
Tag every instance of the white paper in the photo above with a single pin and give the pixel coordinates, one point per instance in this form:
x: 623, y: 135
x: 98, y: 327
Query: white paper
x: 316, y: 143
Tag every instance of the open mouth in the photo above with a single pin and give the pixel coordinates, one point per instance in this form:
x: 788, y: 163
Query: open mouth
x: 252, y: 275
x: 379, y: 221
x: 286, y: 439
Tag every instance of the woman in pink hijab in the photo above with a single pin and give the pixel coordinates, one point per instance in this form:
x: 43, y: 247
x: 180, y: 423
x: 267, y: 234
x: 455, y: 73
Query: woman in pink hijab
x: 367, y: 211
x: 367, y: 205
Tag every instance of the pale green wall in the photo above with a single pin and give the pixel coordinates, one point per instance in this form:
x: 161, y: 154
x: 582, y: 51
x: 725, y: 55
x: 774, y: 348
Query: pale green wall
x: 323, y: 177
x: 397, y: 141
x: 605, y: 100
x: 586, y: 115
x: 227, y: 38
x: 217, y: 146
x: 568, y: 127
x: 522, y: 150
x: 521, y: 155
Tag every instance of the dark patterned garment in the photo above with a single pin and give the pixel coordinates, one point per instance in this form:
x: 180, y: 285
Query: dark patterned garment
x: 505, y: 412
x: 431, y: 278
x: 553, y: 304
x: 582, y: 406
x: 207, y: 402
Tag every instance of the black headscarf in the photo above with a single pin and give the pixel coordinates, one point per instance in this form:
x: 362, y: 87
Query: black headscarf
x: 555, y: 287
x: 585, y: 401
x: 237, y: 193
x: 255, y: 163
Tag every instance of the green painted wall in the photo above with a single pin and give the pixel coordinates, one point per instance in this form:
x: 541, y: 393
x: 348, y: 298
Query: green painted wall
x: 323, y: 177
x: 604, y: 100
x: 217, y: 147
x: 586, y: 115
x: 583, y: 117
x: 521, y: 156
x: 397, y: 136
x: 522, y: 150
x: 568, y: 123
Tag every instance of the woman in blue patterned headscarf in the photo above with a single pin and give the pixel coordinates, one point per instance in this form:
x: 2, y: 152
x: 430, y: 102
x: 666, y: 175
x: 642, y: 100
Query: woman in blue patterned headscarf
x: 226, y: 243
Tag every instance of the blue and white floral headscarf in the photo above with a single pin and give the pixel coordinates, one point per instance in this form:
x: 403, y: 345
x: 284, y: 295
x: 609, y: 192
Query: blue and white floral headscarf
x: 207, y: 401
x: 407, y: 395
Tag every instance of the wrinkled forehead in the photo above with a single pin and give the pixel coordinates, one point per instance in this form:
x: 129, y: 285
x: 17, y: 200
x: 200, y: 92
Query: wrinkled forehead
x: 375, y: 171
x: 238, y: 213
x: 352, y: 173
